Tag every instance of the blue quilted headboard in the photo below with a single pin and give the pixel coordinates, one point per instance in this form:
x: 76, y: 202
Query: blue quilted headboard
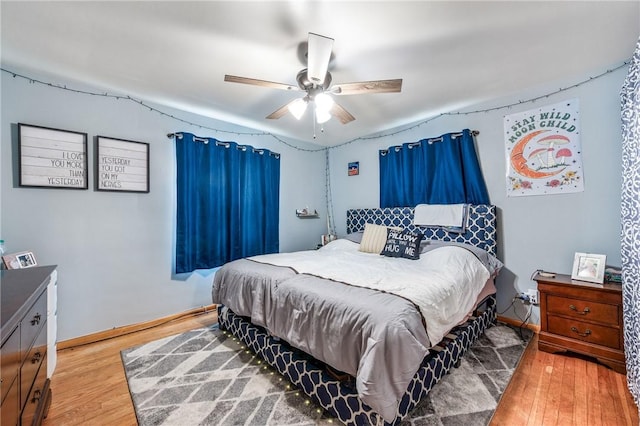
x: 480, y: 229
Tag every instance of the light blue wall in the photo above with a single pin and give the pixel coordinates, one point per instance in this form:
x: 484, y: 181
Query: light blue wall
x: 114, y: 251
x: 537, y: 231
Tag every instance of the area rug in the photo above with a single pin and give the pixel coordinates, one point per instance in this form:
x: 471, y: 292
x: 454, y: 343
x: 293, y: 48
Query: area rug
x: 207, y: 377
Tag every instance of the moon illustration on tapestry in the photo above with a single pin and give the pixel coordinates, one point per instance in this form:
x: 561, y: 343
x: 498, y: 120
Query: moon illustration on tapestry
x: 543, y: 150
x: 519, y: 162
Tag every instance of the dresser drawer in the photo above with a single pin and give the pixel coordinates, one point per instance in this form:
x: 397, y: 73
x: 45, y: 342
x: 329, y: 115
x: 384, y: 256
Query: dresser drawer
x: 10, y: 359
x: 31, y: 365
x: 586, y: 332
x: 33, y: 321
x: 10, y: 410
x: 584, y: 309
x: 36, y: 395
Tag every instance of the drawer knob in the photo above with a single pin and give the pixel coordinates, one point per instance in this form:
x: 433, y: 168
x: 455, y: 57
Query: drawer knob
x: 36, y: 396
x: 585, y: 311
x: 36, y: 319
x: 585, y: 334
x: 36, y: 358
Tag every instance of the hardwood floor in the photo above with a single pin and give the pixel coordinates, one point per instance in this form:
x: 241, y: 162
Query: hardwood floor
x: 89, y: 386
x: 564, y: 389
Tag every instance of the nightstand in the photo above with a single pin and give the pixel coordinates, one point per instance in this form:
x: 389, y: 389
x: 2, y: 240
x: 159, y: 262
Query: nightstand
x: 581, y: 317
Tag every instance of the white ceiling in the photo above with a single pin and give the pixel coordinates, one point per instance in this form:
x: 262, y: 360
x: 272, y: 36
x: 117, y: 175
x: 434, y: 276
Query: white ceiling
x: 450, y: 55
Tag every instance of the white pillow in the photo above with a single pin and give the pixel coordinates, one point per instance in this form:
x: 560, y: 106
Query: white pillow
x: 374, y: 238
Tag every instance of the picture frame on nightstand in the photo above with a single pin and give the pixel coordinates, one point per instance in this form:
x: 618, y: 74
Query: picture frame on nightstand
x: 588, y: 267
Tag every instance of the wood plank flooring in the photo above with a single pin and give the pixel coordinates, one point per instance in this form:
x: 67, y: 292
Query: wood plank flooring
x: 564, y: 389
x: 89, y: 386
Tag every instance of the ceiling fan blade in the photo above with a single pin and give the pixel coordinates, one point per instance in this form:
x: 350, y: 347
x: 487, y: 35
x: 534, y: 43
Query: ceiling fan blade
x: 341, y: 114
x: 318, y: 57
x: 263, y: 83
x: 280, y: 112
x: 362, y: 87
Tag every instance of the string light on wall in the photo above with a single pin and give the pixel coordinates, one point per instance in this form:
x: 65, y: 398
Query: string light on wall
x: 300, y: 110
x: 284, y: 142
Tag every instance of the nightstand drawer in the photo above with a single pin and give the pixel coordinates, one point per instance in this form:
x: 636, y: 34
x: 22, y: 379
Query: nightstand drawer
x: 587, y: 332
x: 583, y: 309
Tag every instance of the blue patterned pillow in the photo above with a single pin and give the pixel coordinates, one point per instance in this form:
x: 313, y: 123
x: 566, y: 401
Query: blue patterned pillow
x: 402, y: 244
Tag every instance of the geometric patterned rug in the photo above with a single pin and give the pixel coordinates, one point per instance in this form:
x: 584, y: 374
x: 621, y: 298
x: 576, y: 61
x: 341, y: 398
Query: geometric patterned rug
x: 207, y: 377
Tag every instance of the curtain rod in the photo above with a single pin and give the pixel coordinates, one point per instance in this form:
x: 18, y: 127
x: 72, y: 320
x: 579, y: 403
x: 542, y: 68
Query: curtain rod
x: 453, y: 135
x: 429, y: 140
x: 225, y: 144
x: 179, y: 136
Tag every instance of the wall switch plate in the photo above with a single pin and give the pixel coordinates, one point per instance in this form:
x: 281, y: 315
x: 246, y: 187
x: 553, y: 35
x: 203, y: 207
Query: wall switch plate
x: 533, y: 296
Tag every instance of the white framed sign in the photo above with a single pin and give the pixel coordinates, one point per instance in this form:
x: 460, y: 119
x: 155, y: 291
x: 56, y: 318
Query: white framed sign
x: 122, y: 165
x: 52, y: 158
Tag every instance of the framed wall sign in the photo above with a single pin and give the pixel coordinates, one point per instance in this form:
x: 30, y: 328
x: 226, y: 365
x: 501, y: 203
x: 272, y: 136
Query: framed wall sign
x: 52, y: 158
x: 122, y: 165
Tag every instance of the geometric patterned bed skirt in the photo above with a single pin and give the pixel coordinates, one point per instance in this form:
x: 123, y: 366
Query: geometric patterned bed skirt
x: 339, y: 397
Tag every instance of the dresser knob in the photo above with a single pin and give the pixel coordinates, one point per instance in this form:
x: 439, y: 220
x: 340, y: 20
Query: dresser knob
x: 36, y: 319
x: 36, y: 396
x: 585, y: 334
x: 584, y: 312
x: 36, y: 358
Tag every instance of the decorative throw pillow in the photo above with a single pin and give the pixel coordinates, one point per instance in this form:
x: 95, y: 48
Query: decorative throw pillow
x: 373, y: 238
x: 402, y: 244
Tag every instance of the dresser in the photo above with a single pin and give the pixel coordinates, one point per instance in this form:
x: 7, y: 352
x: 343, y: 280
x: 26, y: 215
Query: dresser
x: 582, y: 317
x: 27, y: 305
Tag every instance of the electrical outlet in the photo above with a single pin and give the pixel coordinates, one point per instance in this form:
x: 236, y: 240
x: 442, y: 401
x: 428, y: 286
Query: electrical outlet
x: 533, y: 296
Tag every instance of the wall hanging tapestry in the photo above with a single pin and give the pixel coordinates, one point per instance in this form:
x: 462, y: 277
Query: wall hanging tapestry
x: 543, y: 150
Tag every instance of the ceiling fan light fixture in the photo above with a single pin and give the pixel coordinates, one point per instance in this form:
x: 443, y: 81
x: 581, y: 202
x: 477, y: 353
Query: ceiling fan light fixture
x: 297, y: 108
x: 322, y: 116
x: 323, y: 102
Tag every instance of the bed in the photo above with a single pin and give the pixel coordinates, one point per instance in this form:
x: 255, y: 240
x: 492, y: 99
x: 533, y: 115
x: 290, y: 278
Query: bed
x: 369, y: 360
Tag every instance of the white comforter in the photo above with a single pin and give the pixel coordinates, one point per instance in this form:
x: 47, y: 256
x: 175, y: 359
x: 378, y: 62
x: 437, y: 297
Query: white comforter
x: 444, y: 283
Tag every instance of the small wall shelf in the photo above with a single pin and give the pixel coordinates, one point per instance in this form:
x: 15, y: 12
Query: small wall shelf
x: 302, y: 215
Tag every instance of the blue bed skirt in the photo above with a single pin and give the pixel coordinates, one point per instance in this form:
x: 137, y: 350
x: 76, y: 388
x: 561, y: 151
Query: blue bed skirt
x: 339, y: 397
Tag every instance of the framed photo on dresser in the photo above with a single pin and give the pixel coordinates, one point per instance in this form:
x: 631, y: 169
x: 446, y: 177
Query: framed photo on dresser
x: 21, y: 260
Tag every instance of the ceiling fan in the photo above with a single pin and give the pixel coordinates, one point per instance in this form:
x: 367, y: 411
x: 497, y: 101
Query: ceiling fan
x: 315, y: 82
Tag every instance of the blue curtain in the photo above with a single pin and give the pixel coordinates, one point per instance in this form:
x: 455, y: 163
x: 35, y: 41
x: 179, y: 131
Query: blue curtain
x: 442, y: 170
x: 227, y: 202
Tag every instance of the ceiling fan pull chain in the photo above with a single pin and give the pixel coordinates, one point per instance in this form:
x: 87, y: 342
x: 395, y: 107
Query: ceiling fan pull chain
x: 313, y: 118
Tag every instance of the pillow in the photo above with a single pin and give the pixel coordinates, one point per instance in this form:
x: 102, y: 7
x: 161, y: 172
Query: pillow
x: 356, y: 237
x: 402, y: 244
x: 373, y: 238
x: 492, y: 263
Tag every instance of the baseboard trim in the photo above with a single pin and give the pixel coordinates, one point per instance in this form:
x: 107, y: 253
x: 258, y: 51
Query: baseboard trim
x: 128, y: 329
x: 518, y: 323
